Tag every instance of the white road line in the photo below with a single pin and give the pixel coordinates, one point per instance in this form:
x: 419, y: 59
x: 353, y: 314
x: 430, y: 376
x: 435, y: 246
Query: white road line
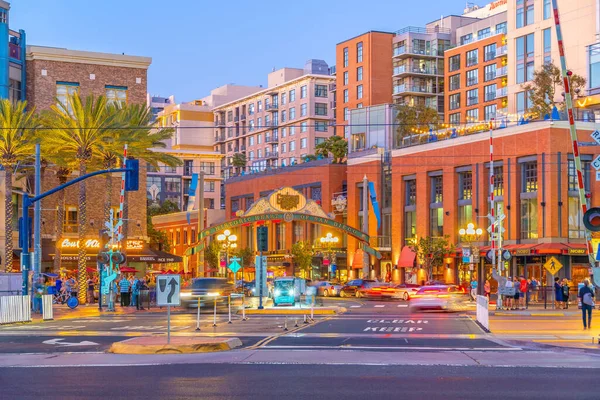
x: 402, y: 305
x: 396, y: 348
x: 355, y: 306
x: 379, y: 305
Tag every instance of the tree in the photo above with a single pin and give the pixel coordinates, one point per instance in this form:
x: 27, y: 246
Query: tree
x: 414, y: 119
x: 239, y: 161
x: 431, y: 252
x: 302, y: 253
x: 336, y: 146
x: 547, y: 83
x: 245, y: 253
x: 159, y: 239
x: 17, y: 143
x: 79, y: 129
x: 212, y: 254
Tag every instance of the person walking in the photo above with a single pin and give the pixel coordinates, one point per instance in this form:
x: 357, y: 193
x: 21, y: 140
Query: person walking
x: 586, y: 296
x: 135, y: 293
x: 522, y: 293
x: 90, y: 291
x: 487, y: 288
x: 474, y: 288
x: 124, y: 289
x: 510, y: 294
x: 558, y: 294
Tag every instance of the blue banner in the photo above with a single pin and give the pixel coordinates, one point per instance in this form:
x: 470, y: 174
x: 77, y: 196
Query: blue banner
x: 374, y: 203
x: 192, y: 196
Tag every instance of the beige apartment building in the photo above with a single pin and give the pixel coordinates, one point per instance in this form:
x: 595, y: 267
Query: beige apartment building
x: 280, y: 125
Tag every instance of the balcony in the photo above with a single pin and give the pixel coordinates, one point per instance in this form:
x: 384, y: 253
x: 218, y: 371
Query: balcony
x: 272, y: 124
x: 408, y: 51
x: 272, y: 139
x: 502, y: 92
x: 220, y: 123
x: 401, y: 89
x: 501, y: 51
x: 490, y: 96
x: 219, y: 138
x: 381, y: 243
x: 500, y: 72
x: 271, y: 107
x: 416, y: 70
x: 271, y: 154
x: 243, y: 117
x: 332, y: 87
x: 236, y: 119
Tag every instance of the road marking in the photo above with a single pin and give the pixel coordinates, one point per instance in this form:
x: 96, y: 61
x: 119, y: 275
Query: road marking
x: 355, y: 306
x: 60, y: 342
x: 347, y: 347
x: 402, y: 305
x: 397, y: 321
x: 379, y: 305
x: 391, y: 329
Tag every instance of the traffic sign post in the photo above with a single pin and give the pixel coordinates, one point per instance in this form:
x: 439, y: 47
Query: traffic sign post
x: 168, y: 290
x: 552, y: 265
x: 261, y: 277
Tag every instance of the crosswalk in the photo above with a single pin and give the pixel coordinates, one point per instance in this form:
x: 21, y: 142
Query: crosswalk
x: 380, y: 305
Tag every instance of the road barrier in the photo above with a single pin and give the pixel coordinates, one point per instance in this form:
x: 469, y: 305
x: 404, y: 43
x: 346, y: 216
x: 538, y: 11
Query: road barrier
x: 15, y: 309
x: 483, y: 316
x: 47, y: 311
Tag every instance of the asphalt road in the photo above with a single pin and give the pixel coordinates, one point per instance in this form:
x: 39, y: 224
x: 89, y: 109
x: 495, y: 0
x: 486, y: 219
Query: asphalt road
x: 234, y: 381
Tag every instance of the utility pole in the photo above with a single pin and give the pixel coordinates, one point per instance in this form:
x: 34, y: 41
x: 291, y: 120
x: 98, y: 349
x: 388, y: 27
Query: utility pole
x: 365, y: 225
x: 37, y: 220
x: 200, y: 263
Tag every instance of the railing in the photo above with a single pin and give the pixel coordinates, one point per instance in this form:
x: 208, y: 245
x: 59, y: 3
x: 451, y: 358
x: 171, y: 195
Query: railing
x: 415, y: 69
x: 418, y: 89
x: 243, y: 147
x: 502, y: 92
x: 271, y: 139
x: 236, y: 118
x: 472, y: 100
x: 381, y: 242
x: 15, y: 309
x: 482, y: 312
x: 220, y: 123
x: 398, y: 51
x: 271, y: 107
x: 272, y: 124
x: 490, y: 96
x: 417, y: 29
x: 271, y: 154
x: 503, y: 71
x: 501, y: 51
x: 243, y: 117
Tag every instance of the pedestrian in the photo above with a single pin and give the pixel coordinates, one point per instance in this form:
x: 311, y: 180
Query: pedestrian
x: 487, y: 288
x: 38, y: 291
x: 474, y: 288
x: 517, y: 295
x: 135, y: 293
x: 510, y: 293
x: 534, y: 290
x: 124, y: 289
x: 565, y: 293
x: 58, y: 285
x: 586, y: 296
x: 90, y: 291
x: 558, y: 294
x: 522, y: 293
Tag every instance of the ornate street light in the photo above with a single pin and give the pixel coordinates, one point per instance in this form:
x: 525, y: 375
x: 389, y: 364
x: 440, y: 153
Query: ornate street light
x: 228, y: 242
x: 329, y: 240
x: 469, y: 236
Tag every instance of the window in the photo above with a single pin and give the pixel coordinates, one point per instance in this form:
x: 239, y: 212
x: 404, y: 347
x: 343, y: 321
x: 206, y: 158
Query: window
x: 489, y: 52
x: 293, y: 145
x: 209, y: 186
x: 490, y: 92
x: 524, y: 49
x: 303, y: 143
x: 251, y: 109
x: 283, y: 115
x: 345, y: 57
x: 498, y: 181
x: 359, y: 74
x: 523, y: 103
x: 489, y: 112
x: 466, y: 39
x: 465, y: 184
x: 64, y: 90
x: 292, y: 130
x: 411, y: 193
x: 292, y: 95
x: 303, y: 91
x: 259, y: 124
x: 529, y: 218
x: 547, y: 9
x: 437, y: 189
x: 594, y: 56
x: 320, y: 90
x: 501, y: 28
x: 346, y: 114
x: 283, y: 147
x: 520, y: 16
x: 292, y: 113
x: 576, y: 228
x: 172, y: 184
x: 259, y: 153
x: 359, y: 105
x: 465, y: 214
x: 573, y: 183
x: 454, y: 101
x: 472, y: 115
x: 319, y: 140
x: 454, y: 63
x: 303, y: 126
x: 320, y: 126
x: 547, y: 34
x: 472, y: 77
x: 251, y: 155
x: 251, y: 141
x: 436, y: 228
x: 345, y: 78
x: 359, y: 92
x: 303, y: 109
x: 283, y: 98
x: 472, y: 97
x: 320, y: 108
x: 258, y: 139
x: 529, y: 14
x: 529, y: 177
x: 489, y: 72
x: 454, y: 119
x: 359, y: 52
x: 70, y: 225
x: 454, y: 82
x: 346, y: 97
x: 14, y: 90
x: 259, y: 107
x: 116, y: 94
x: 188, y: 167
x: 472, y: 58
x: 410, y: 226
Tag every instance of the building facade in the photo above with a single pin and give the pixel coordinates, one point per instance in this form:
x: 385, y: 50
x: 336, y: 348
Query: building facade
x: 278, y: 126
x: 12, y: 58
x: 158, y: 103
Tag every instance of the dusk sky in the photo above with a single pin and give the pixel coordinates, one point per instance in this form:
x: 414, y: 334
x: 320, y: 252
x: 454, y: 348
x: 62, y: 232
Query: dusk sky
x: 199, y: 45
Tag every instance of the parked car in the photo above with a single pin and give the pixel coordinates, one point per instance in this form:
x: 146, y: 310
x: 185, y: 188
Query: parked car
x: 207, y: 289
x: 439, y: 297
x: 327, y: 288
x: 351, y: 288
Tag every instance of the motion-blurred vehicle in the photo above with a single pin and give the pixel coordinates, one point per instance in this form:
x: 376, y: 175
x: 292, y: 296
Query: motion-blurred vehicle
x: 352, y: 287
x: 287, y: 290
x: 207, y: 289
x: 439, y: 297
x: 327, y: 288
x: 375, y: 290
x: 404, y: 291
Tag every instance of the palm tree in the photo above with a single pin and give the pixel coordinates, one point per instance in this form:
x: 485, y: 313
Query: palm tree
x: 80, y: 129
x: 17, y: 142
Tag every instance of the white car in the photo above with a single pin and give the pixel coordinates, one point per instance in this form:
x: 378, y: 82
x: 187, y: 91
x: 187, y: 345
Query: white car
x: 327, y: 289
x: 439, y: 297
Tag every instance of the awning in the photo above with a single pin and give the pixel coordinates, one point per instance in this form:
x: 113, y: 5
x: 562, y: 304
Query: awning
x: 154, y: 257
x: 357, y: 261
x: 407, y: 257
x: 519, y: 249
x: 549, y: 248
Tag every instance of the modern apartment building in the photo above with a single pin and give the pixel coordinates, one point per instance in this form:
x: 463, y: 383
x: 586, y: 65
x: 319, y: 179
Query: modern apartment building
x: 363, y: 72
x: 280, y: 125
x: 12, y: 58
x: 476, y: 70
x: 158, y: 103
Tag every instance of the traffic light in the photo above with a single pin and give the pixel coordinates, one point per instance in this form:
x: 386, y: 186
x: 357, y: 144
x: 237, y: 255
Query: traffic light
x: 591, y: 219
x: 262, y: 238
x: 118, y: 258
x: 103, y: 257
x: 132, y: 175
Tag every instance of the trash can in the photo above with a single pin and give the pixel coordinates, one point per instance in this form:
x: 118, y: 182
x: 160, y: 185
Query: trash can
x: 144, y: 299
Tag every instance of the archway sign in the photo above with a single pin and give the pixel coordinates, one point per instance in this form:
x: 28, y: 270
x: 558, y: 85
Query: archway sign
x: 285, y: 204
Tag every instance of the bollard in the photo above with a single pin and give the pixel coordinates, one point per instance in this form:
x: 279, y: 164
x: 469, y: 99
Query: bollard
x: 312, y: 313
x: 305, y: 320
x: 198, y: 316
x: 244, y: 307
x: 215, y: 314
x: 285, y: 328
x: 229, y: 306
x: 296, y: 324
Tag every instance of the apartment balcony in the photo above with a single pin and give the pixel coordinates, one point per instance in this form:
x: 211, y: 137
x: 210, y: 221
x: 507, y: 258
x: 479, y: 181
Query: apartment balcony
x: 220, y: 123
x: 272, y: 124
x: 502, y: 92
x: 236, y: 119
x: 413, y: 89
x: 272, y: 139
x: 219, y: 138
x: 408, y: 51
x: 243, y: 117
x: 416, y: 70
x: 501, y: 51
x: 381, y: 243
x: 332, y: 87
x: 272, y: 107
x: 243, y: 147
x: 269, y: 155
x: 500, y: 72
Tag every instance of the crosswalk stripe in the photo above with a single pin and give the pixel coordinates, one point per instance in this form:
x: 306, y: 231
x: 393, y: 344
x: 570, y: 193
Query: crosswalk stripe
x: 379, y: 305
x: 402, y: 305
x: 354, y: 306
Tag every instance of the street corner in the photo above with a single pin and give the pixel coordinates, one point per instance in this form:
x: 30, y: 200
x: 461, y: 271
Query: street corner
x: 177, y: 345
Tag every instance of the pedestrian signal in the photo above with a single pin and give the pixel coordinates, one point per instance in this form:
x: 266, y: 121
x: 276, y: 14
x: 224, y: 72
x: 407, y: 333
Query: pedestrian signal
x: 591, y: 219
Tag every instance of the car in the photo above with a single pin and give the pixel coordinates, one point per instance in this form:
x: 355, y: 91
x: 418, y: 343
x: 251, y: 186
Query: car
x: 404, y: 291
x: 327, y: 288
x: 439, y: 297
x: 352, y: 287
x: 375, y: 290
x: 207, y: 290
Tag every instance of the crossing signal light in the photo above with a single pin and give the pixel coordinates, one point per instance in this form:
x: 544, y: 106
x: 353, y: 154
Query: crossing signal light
x: 132, y: 180
x: 591, y: 219
x: 262, y: 238
x: 118, y: 258
x: 103, y: 257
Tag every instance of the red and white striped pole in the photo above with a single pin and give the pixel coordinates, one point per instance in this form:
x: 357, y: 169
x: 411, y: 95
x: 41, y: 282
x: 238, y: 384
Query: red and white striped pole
x: 492, y: 204
x: 573, y: 131
x: 122, y: 199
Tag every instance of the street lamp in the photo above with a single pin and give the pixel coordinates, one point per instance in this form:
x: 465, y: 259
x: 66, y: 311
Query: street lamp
x: 469, y: 236
x: 228, y: 242
x: 329, y: 240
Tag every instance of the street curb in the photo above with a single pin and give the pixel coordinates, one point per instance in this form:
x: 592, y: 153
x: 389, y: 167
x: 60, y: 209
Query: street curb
x: 305, y: 311
x: 192, y: 345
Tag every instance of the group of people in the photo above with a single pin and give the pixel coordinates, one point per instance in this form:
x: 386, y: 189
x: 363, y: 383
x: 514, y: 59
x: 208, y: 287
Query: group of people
x: 561, y: 293
x: 129, y: 290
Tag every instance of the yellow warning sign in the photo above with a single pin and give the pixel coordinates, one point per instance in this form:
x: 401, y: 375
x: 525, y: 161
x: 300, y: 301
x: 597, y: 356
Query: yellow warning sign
x: 553, y: 265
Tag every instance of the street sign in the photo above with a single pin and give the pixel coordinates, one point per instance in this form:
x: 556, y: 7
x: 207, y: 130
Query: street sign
x: 168, y: 290
x: 596, y: 136
x: 234, y: 266
x: 553, y: 265
x: 506, y: 256
x: 260, y: 264
x: 596, y: 163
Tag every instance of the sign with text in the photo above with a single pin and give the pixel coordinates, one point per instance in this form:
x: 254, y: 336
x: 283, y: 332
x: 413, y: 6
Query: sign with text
x: 260, y: 264
x: 596, y: 163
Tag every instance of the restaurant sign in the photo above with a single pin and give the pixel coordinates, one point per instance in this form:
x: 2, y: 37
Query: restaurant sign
x: 577, y: 252
x: 95, y: 244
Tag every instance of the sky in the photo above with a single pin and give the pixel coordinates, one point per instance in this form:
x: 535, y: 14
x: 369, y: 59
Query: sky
x: 198, y: 45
